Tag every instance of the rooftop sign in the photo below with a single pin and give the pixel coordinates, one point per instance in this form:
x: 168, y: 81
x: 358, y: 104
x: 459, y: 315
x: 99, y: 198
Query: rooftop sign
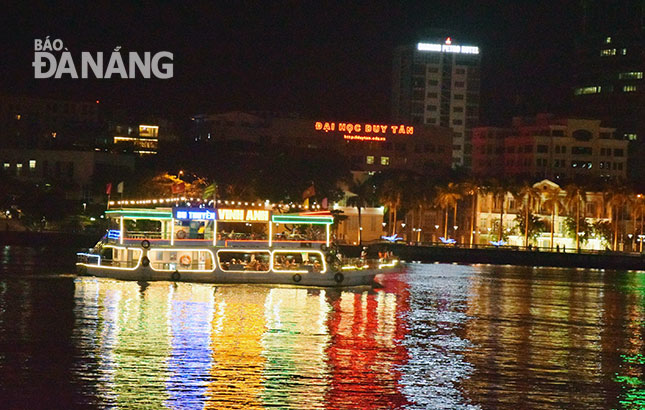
x: 448, y: 47
x: 364, y: 131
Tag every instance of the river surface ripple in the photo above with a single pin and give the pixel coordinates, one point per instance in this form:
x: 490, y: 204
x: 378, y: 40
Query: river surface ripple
x: 434, y: 337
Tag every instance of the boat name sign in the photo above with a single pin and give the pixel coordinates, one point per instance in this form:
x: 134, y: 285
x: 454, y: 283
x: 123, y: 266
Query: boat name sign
x: 242, y: 215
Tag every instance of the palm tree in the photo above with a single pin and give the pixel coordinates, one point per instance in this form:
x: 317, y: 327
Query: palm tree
x: 576, y: 196
x: 363, y: 193
x: 553, y: 203
x: 447, y: 197
x: 472, y: 188
x: 617, y: 198
x: 390, y: 195
x: 639, y: 211
x: 500, y: 191
x: 417, y: 196
x: 530, y: 196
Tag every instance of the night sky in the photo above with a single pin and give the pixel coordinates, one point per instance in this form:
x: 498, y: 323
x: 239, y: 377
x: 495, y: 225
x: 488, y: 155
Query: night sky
x: 319, y: 60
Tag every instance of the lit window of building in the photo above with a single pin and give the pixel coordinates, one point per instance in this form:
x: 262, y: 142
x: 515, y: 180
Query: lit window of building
x: 588, y: 90
x: 631, y: 137
x: 632, y: 75
x: 32, y: 164
x: 385, y: 160
x: 608, y: 40
x: 19, y: 169
x: 369, y: 159
x: 623, y: 51
x: 6, y: 165
x: 148, y: 130
x: 607, y: 52
x: 629, y: 88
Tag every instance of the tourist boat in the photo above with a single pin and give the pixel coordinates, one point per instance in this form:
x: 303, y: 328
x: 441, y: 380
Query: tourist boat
x: 226, y: 245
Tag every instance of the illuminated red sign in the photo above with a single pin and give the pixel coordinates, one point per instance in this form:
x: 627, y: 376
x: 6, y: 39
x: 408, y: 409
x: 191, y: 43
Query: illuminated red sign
x: 367, y: 128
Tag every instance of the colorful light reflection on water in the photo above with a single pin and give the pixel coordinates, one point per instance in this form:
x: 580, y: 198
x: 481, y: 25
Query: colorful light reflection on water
x: 438, y: 337
x: 203, y: 346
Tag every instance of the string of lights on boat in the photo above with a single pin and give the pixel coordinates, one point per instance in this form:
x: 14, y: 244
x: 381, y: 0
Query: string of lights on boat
x: 199, y: 201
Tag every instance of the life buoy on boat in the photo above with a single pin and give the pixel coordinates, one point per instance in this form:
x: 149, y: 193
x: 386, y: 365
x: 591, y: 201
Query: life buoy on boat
x: 175, y: 276
x: 339, y: 277
x: 185, y: 260
x: 145, y: 244
x: 297, y: 277
x: 181, y: 234
x: 145, y: 261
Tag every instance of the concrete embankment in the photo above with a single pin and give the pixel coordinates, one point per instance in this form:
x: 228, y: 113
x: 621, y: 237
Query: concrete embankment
x: 509, y: 256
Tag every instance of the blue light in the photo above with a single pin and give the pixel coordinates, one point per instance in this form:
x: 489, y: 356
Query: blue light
x: 194, y: 214
x: 113, y: 234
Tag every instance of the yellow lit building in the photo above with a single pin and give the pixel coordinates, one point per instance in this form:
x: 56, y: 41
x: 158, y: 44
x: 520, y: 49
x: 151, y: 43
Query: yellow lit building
x: 145, y: 140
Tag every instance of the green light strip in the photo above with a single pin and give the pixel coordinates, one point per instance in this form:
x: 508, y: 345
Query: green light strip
x: 296, y: 219
x: 137, y: 214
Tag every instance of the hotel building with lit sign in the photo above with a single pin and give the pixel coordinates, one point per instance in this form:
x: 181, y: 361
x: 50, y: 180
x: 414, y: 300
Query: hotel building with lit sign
x: 438, y: 83
x: 368, y: 146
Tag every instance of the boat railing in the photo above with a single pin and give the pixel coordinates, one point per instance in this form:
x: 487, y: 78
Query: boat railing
x: 363, y: 263
x: 95, y: 259
x: 146, y: 235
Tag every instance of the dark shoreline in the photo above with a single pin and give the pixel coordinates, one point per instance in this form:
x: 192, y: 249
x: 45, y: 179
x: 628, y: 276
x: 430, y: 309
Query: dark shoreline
x: 518, y: 257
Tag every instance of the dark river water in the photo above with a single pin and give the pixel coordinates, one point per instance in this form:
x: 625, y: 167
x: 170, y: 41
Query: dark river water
x: 435, y: 337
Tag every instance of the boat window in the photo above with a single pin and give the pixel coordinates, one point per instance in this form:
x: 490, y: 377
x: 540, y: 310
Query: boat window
x: 241, y: 231
x: 299, y: 233
x: 303, y: 261
x: 142, y: 229
x: 120, y: 256
x: 182, y: 259
x: 193, y: 230
x: 244, y: 261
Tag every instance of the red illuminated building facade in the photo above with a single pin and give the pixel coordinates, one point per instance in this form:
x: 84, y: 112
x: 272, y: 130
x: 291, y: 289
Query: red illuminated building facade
x: 548, y: 147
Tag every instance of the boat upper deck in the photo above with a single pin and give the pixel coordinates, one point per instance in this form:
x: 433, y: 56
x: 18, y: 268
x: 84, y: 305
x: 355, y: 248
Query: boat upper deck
x: 220, y: 227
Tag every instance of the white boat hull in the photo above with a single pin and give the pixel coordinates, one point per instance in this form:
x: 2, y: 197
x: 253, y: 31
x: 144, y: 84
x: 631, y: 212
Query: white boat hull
x: 362, y: 277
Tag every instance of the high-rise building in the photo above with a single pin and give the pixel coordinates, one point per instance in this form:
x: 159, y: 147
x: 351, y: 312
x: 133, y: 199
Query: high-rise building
x: 437, y: 83
x: 609, y: 71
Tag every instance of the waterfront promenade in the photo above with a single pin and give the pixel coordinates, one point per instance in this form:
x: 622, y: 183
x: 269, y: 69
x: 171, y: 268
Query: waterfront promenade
x: 424, y: 253
x: 520, y: 256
